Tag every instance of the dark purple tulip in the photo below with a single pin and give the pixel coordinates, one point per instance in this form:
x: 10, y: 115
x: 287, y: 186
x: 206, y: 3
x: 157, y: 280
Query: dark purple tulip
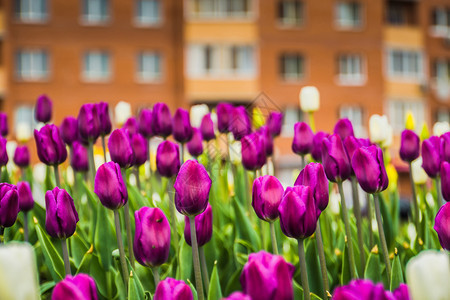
x: 368, y: 164
x: 79, y: 158
x: 9, y: 204
x: 266, y: 197
x: 402, y: 292
x: 182, y: 129
x: 173, y: 289
x: 152, y: 238
x: 61, y: 216
x: 442, y: 225
x: 145, y: 123
x: 89, y: 122
x: 445, y: 147
x: 195, y: 145
x: 51, y: 149
x: 4, y: 129
x: 192, y: 187
x: 132, y: 125
x: 267, y: 140
x: 361, y: 289
x: 161, y: 120
x: 69, y: 130
x: 26, y: 201
x: 344, y: 128
x: 238, y: 296
x: 240, y: 124
x: 110, y: 187
x: 224, y: 116
x: 207, y: 128
x: 168, y: 159
x: 445, y: 180
x: 303, y: 139
x: 274, y: 123
x: 120, y: 149
x: 140, y: 149
x: 104, y: 119
x: 203, y: 227
x: 43, y: 109
x: 313, y: 175
x: 351, y: 144
x: 431, y: 156
x: 79, y: 287
x: 253, y: 152
x: 335, y: 159
x: 364, y: 142
x: 3, y: 153
x: 409, y: 146
x: 298, y: 216
x: 266, y: 277
x: 316, y: 151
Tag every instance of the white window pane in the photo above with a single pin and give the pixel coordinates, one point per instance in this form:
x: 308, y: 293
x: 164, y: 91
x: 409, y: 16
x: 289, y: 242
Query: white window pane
x: 148, y: 12
x: 149, y: 66
x: 95, y: 11
x: 31, y: 10
x: 96, y: 66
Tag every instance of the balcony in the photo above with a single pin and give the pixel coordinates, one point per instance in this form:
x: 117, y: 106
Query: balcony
x: 220, y: 11
x: 402, y: 13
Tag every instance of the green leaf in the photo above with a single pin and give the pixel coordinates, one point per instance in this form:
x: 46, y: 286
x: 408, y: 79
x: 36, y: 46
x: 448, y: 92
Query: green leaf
x: 396, y: 273
x: 104, y: 240
x: 135, y: 289
x: 85, y: 263
x: 243, y: 226
x: 185, y: 269
x: 194, y: 291
x: 373, y: 270
x: 345, y: 271
x: 52, y: 258
x: 387, y: 222
x: 298, y: 291
x: 313, y: 267
x: 78, y: 248
x: 46, y: 287
x: 215, y: 292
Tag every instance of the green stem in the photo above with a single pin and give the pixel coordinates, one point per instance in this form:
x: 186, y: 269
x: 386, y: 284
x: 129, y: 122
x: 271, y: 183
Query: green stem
x: 155, y: 272
x: 274, y: 238
x: 382, y: 236
x: 323, y: 263
x: 303, y: 162
x: 369, y: 218
x: 437, y: 182
x: 25, y: 226
x: 173, y: 219
x: 303, y: 272
x: 123, y: 262
x: 2, y: 234
x: 104, y: 148
x: 65, y: 256
x: 56, y: 171
x: 415, y: 204
x: 91, y: 162
x: 312, y: 124
x: 248, y: 192
x: 138, y: 178
x: 348, y: 232
x: 196, y: 260
x: 182, y: 153
x: 357, y: 213
x: 126, y: 214
x: 204, y: 268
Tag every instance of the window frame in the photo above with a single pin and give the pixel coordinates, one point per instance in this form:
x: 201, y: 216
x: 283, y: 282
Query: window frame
x: 337, y: 21
x: 87, y: 21
x: 351, y: 79
x: 282, y: 66
x: 109, y: 69
x: 138, y: 73
x: 301, y: 16
x: 139, y: 23
x: 18, y: 14
x: 419, y: 112
x: 405, y: 75
x: 33, y: 75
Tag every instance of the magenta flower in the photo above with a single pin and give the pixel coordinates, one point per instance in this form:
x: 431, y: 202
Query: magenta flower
x: 132, y: 126
x: 168, y: 159
x: 69, y: 130
x: 140, y: 149
x: 240, y: 124
x: 79, y: 287
x: 335, y: 159
x: 313, y: 175
x: 409, y: 146
x: 173, y: 289
x: 43, y: 109
x: 4, y: 129
x: 110, y: 187
x: 195, y: 145
x: 103, y: 118
x: 266, y: 197
x: 253, y: 152
x: 9, y: 204
x: 207, y: 128
x: 316, y: 151
x: 61, y: 217
x: 368, y: 164
x: 50, y: 146
x: 431, y: 156
x: 203, y: 227
x: 26, y: 201
x: 344, y: 128
x: 182, y: 129
x: 145, y: 123
x: 361, y: 289
x: 274, y: 123
x: 161, y: 120
x: 224, y: 116
x: 445, y: 180
x: 22, y: 156
x: 303, y: 139
x: 120, y: 148
x: 89, y: 122
x: 79, y: 158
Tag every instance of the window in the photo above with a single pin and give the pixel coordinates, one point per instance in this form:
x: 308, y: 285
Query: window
x: 440, y: 21
x: 95, y: 11
x: 96, y: 66
x: 290, y: 13
x: 30, y: 11
x: 291, y: 116
x: 24, y: 119
x: 220, y: 8
x: 292, y: 67
x: 398, y: 110
x: 405, y: 64
x: 32, y: 65
x: 350, y: 69
x: 443, y: 115
x: 355, y: 115
x: 149, y: 66
x: 148, y: 12
x: 348, y: 15
x: 242, y: 60
x: 441, y: 78
x: 402, y: 12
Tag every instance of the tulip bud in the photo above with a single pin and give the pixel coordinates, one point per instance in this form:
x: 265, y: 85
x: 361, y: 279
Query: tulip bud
x: 266, y: 197
x: 266, y: 276
x: 4, y: 129
x: 351, y: 144
x: 23, y: 132
x: 140, y: 149
x: 122, y: 112
x: 79, y: 287
x: 224, y: 117
x: 152, y: 238
x: 131, y: 125
x: 378, y: 129
x: 145, y: 123
x: 257, y: 119
x: 445, y: 180
x: 410, y: 122
x: 120, y: 148
x: 389, y: 137
x: 50, y: 146
x: 303, y: 139
x: 173, y: 289
x: 410, y: 146
x: 88, y: 122
x: 104, y: 119
x: 335, y: 160
x: 196, y: 114
x: 3, y: 152
x: 192, y: 187
x: 392, y: 177
x: 431, y: 155
x: 344, y: 128
x: 445, y: 147
x: 267, y: 140
x: 362, y: 289
x: 238, y: 296
x: 439, y: 128
x: 253, y: 152
x: 22, y: 156
x: 182, y: 129
x: 442, y: 225
x: 419, y: 175
x: 240, y: 123
x: 69, y: 130
x: 110, y: 187
x: 161, y: 120
x: 9, y: 204
x: 167, y: 159
x: 274, y: 123
x: 309, y: 99
x: 26, y: 201
x: 43, y: 109
x: 203, y: 227
x: 195, y: 145
x: 368, y: 164
x: 207, y: 128
x: 79, y: 158
x: 313, y: 175
x: 61, y: 217
x: 316, y: 151
x: 402, y: 292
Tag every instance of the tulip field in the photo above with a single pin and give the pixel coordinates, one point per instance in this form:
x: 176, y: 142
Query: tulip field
x: 187, y: 205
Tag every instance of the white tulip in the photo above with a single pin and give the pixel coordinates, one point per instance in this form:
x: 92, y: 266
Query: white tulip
x: 389, y: 137
x: 439, y: 128
x: 378, y: 129
x: 419, y: 174
x: 11, y: 148
x: 18, y: 277
x: 23, y: 132
x: 122, y: 112
x: 309, y: 99
x: 427, y: 276
x: 39, y: 172
x: 197, y: 113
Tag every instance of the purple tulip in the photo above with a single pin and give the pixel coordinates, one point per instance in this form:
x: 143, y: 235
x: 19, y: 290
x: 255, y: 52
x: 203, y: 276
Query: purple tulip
x: 3, y: 153
x: 298, y: 216
x: 335, y: 160
x: 173, y: 289
x: 79, y: 287
x: 9, y: 204
x: 140, y: 149
x: 168, y: 159
x: 238, y: 296
x: 79, y: 158
x: 401, y: 293
x: 266, y: 276
x: 195, y: 145
x: 203, y: 227
x: 445, y: 180
x: 253, y: 152
x: 266, y: 197
x: 152, y: 238
x: 361, y: 289
x: 4, y: 129
x: 445, y: 147
x: 431, y: 156
x: 267, y: 140
x: 25, y: 195
x: 69, y: 130
x: 145, y: 123
x: 240, y: 124
x: 192, y: 187
x: 51, y: 149
x: 303, y: 139
x: 132, y: 125
x: 344, y: 128
x: 61, y: 216
x: 442, y: 225
x: 409, y: 146
x: 110, y: 187
x: 368, y: 164
x: 43, y: 109
x: 316, y: 151
x: 351, y: 144
x: 161, y: 120
x: 182, y: 129
x: 120, y: 148
x: 104, y: 119
x: 274, y: 123
x: 224, y: 116
x: 207, y: 128
x: 313, y: 175
x: 89, y: 122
